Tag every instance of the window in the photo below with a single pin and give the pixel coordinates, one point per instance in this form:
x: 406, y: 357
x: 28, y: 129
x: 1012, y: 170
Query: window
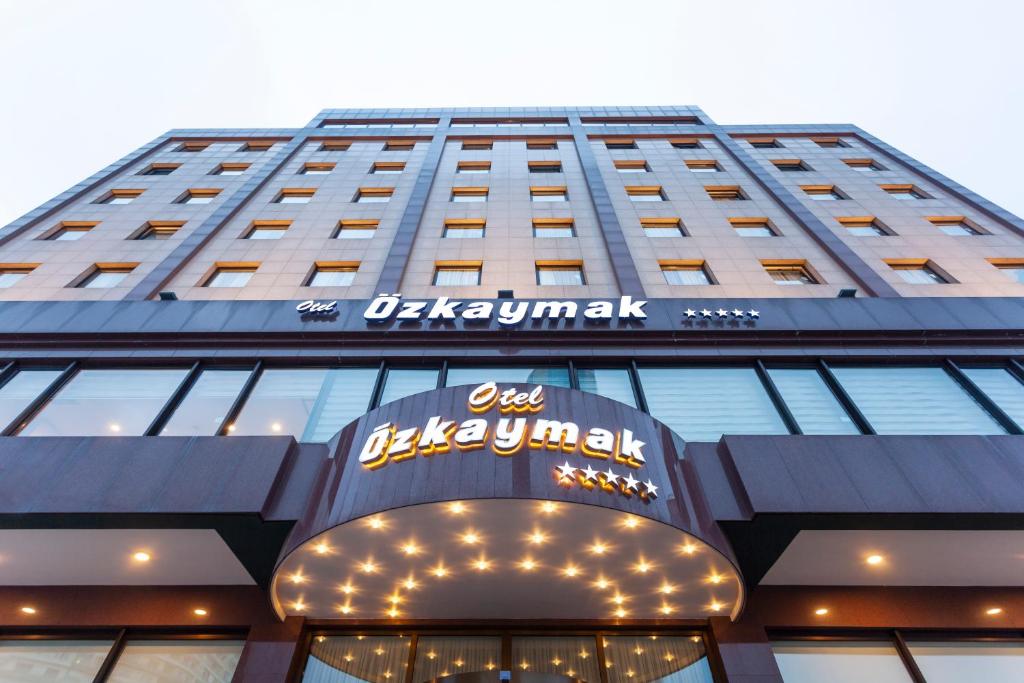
x: 917, y: 271
x: 764, y: 143
x: 830, y: 142
x: 469, y: 194
x: 703, y: 166
x: 725, y: 193
x: 822, y: 193
x: 904, y: 192
x: 613, y: 383
x: 549, y: 194
x: 553, y: 375
x: 752, y: 227
x: 21, y: 390
x: 957, y: 226
x: 374, y: 195
x: 812, y: 403
x: 402, y: 382
x: 236, y: 275
x: 631, y: 166
x: 12, y: 273
x: 295, y: 195
x: 702, y: 404
x: 669, y: 658
x: 662, y: 227
x: 457, y: 274
x: 620, y: 144
x: 789, y: 272
x: 463, y: 228
x: 70, y: 231
x: 685, y: 143
x: 645, y: 193
x: 316, y: 168
x: 399, y: 145
x: 863, y: 165
x: 256, y: 146
x: 477, y: 144
x: 121, y: 402
x: 387, y: 167
x: 193, y: 146
x: 560, y: 273
x: 267, y: 230
x: 335, y: 145
x: 198, y: 196
x: 839, y: 662
x: 159, y: 169
x: 541, y: 143
x: 545, y: 166
x: 473, y: 167
x: 552, y: 656
x: 162, y: 661
x: 229, y: 169
x: 685, y: 272
x: 791, y: 165
x: 863, y: 226
x: 1002, y: 387
x: 118, y: 197
x: 333, y: 274
x: 158, y: 230
x: 553, y: 227
x: 105, y: 275
x: 38, y: 661
x: 983, y: 661
x: 1012, y: 268
x: 311, y: 404
x: 914, y: 400
x: 356, y: 229
x: 206, y: 405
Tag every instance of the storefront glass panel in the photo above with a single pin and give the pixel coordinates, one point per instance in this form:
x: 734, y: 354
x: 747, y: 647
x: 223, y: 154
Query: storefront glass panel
x: 839, y: 662
x: 203, y: 410
x: 613, y: 383
x: 811, y: 402
x: 440, y: 656
x: 177, y: 661
x: 651, y: 659
x: 557, y: 376
x: 351, y: 659
x: 21, y: 390
x: 45, y: 661
x: 572, y: 656
x: 1003, y: 388
x: 959, y: 662
x: 402, y: 382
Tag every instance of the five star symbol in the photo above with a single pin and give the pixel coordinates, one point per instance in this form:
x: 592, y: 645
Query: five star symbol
x: 627, y: 484
x: 722, y: 314
x: 566, y: 472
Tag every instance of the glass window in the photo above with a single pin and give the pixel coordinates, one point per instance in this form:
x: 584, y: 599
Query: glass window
x: 812, y: 403
x: 645, y: 659
x: 959, y: 662
x: 106, y: 403
x: 560, y: 275
x: 46, y: 661
x: 402, y: 382
x: 356, y: 229
x: 230, y: 169
x: 570, y: 656
x: 198, y: 196
x: 549, y: 194
x: 999, y: 385
x: 160, y: 169
x: 1012, y: 270
x: 463, y: 229
x: 332, y: 276
x: 311, y: 404
x: 352, y: 659
x: 177, y: 661
x: 918, y: 274
x: 440, y: 656
x: 790, y: 275
x: 836, y: 662
x: 553, y: 227
x: 469, y: 194
x: 612, y: 383
x: 206, y: 405
x: 556, y: 375
x: 702, y: 404
x: 862, y: 227
x: 70, y: 233
x: 907, y: 400
x: 267, y: 231
x: 295, y: 197
x: 10, y: 276
x: 104, y: 278
x: 230, y: 277
x: 686, y: 275
x: 457, y: 275
x: 904, y: 192
x: 158, y: 230
x: 21, y: 390
x: 822, y: 193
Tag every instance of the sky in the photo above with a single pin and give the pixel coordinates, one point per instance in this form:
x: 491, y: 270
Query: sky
x: 84, y: 83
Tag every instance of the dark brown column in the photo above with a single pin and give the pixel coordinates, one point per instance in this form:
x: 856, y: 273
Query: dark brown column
x: 743, y: 651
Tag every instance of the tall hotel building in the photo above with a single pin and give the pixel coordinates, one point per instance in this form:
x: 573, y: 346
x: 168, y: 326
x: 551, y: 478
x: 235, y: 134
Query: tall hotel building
x: 612, y: 395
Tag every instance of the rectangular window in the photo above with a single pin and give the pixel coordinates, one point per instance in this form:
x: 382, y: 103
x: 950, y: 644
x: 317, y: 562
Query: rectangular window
x: 39, y: 661
x: 613, y: 383
x: 553, y: 375
x: 374, y: 195
x: 957, y: 226
x: 812, y: 403
x: 438, y: 656
x: 206, y: 405
x: 70, y: 231
x: 402, y: 382
x: 356, y: 229
x: 154, y: 660
x: 468, y: 228
x: 685, y: 272
x: 752, y: 227
x: 541, y: 143
x: 662, y: 227
x: 1011, y: 268
x: 159, y: 169
x: 387, y: 167
x: 549, y: 194
x: 863, y: 165
x: 553, y: 227
x: 399, y: 145
x: 267, y: 230
x: 702, y: 404
x: 105, y: 275
x: 822, y: 193
x: 953, y: 662
x: 1002, y: 387
x: 157, y: 230
x: 197, y: 196
x: 316, y: 168
x: 914, y: 400
x: 560, y: 273
x: 469, y: 194
x: 764, y: 143
x: 21, y: 390
x: 295, y: 195
x: 335, y: 145
x: 839, y: 662
x: 631, y: 166
x: 791, y: 165
x: 106, y: 403
x: 473, y: 167
x: 545, y: 166
x: 229, y: 169
x: 118, y: 197
x: 703, y: 166
x: 12, y: 273
x: 333, y: 274
x: 231, y: 275
x: 645, y: 193
x: 863, y: 226
x: 685, y: 143
x: 193, y: 146
x: 679, y: 659
x: 477, y: 144
x: 904, y: 192
x: 256, y: 146
x: 788, y: 272
x: 457, y: 274
x: 725, y: 193
x: 830, y: 142
x: 917, y: 271
x: 538, y: 656
x: 620, y: 144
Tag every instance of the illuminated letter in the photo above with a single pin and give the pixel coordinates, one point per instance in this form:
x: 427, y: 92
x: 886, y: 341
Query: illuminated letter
x: 512, y: 313
x: 304, y: 306
x: 382, y: 307
x: 403, y: 445
x: 434, y: 438
x: 478, y: 310
x: 631, y: 309
x: 375, y: 450
x: 599, y: 310
x: 412, y: 310
x: 444, y: 309
x: 483, y: 397
x: 509, y: 435
x: 554, y: 309
x: 471, y: 434
x: 568, y: 433
x: 600, y: 443
x: 630, y: 452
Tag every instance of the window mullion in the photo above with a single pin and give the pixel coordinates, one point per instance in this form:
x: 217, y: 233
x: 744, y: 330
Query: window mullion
x: 175, y: 400
x: 378, y: 387
x: 777, y: 400
x: 243, y: 396
x: 968, y: 385
x: 112, y: 656
x: 35, y: 406
x: 907, y: 658
x: 844, y: 399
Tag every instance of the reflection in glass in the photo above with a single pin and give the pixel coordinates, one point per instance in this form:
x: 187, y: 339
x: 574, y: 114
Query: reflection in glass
x: 351, y: 659
x: 21, y: 390
x: 402, y: 382
x: 572, y: 656
x: 814, y: 406
x: 106, y: 403
x: 958, y: 662
x: 177, y: 661
x: 612, y: 383
x: 45, y: 661
x: 556, y: 375
x: 438, y: 656
x: 203, y: 410
x: 645, y: 659
x: 1003, y: 388
x: 837, y: 662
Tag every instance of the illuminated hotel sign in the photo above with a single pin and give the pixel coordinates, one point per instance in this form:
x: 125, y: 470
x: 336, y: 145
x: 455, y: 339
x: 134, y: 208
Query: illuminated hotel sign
x: 512, y: 312
x: 510, y: 422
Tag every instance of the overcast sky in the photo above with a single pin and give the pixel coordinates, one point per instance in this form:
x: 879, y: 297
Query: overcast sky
x: 84, y: 83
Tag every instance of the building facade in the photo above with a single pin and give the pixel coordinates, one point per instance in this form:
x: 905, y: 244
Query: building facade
x: 614, y: 395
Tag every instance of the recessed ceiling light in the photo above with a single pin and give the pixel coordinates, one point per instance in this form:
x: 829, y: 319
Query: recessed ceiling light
x: 28, y: 610
x: 598, y: 548
x: 200, y: 612
x: 410, y: 583
x: 994, y: 611
x: 667, y: 609
x: 571, y: 570
x: 537, y: 537
x: 620, y: 612
x: 276, y: 427
x: 630, y: 522
x: 643, y: 566
x: 874, y: 559
x: 347, y: 588
x: 482, y: 564
x: 547, y: 507
x: 322, y: 548
x: 410, y: 548
x: 470, y: 537
x: 688, y: 548
x: 141, y: 556
x: 821, y: 611
x: 114, y: 427
x: 299, y: 606
x: 716, y: 606
x: 297, y: 578
x: 602, y: 583
x: 346, y: 609
x: 666, y: 588
x: 618, y: 598
x: 368, y: 567
x: 376, y: 523
x: 439, y: 571
x: 528, y: 564
x: 715, y: 578
x: 457, y: 508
